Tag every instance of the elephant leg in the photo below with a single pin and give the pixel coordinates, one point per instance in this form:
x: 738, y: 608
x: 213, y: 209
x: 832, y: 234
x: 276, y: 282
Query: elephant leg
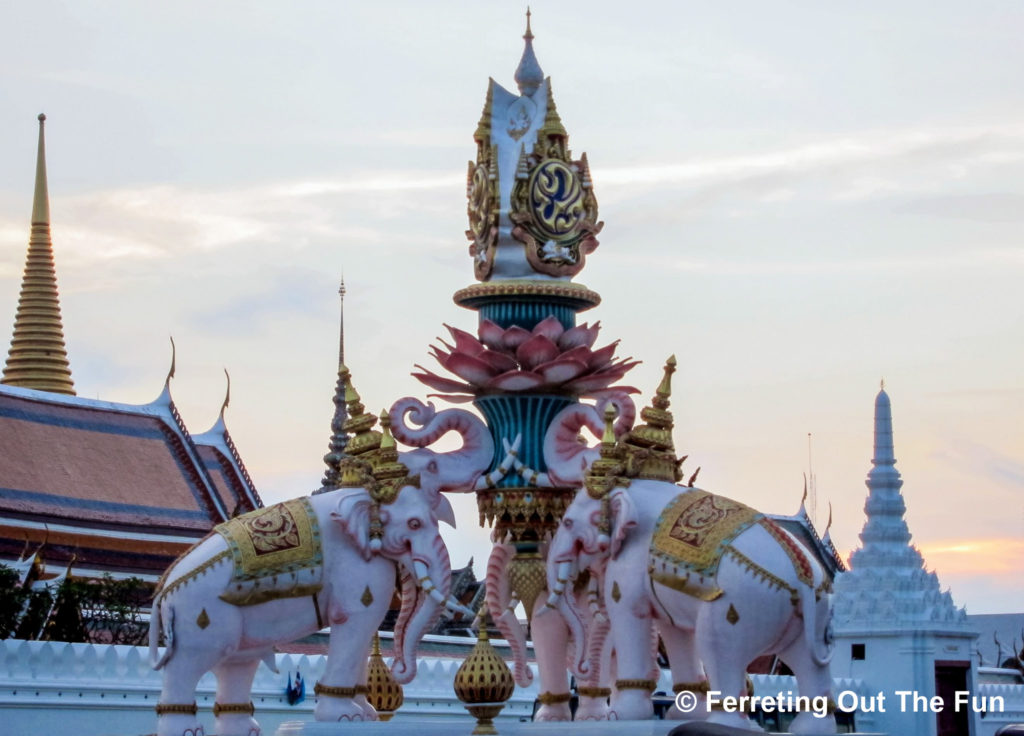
x: 631, y: 698
x: 815, y: 681
x: 725, y: 653
x: 347, y: 652
x: 180, y: 677
x: 687, y: 672
x: 233, y: 708
x: 550, y: 643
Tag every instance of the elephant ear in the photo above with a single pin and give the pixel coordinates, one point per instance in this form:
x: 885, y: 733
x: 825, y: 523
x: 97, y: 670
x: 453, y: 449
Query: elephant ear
x: 623, y: 518
x: 443, y: 510
x: 353, y: 514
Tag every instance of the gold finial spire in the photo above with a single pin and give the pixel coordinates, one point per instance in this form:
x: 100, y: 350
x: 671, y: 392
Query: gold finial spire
x: 38, y: 358
x: 529, y: 33
x: 652, y: 452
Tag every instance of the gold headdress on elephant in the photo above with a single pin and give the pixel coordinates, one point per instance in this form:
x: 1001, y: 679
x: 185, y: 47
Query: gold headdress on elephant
x: 649, y: 449
x: 372, y: 461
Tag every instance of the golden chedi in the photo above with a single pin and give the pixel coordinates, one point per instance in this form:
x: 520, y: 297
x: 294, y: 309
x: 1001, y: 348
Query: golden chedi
x: 484, y: 682
x: 382, y: 690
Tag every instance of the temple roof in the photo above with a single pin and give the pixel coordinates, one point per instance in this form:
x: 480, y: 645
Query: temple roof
x: 97, y: 470
x: 888, y: 586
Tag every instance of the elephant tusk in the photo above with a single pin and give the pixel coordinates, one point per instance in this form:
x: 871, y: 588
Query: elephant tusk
x: 455, y: 607
x: 435, y: 594
x: 511, y: 452
x: 561, y: 578
x: 420, y: 569
x: 512, y: 603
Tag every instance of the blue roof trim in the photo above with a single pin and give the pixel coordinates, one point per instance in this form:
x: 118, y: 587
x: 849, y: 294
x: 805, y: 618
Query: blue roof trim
x: 90, y: 505
x: 92, y: 426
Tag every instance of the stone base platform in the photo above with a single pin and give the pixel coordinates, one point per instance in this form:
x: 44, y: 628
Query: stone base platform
x: 465, y: 727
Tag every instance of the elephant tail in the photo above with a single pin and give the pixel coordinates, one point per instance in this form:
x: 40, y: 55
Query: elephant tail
x: 155, y: 621
x: 816, y: 605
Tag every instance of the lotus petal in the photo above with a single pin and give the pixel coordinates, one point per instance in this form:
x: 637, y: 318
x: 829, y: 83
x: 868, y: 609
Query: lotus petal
x: 491, y: 334
x: 471, y: 369
x: 587, y: 384
x: 439, y: 355
x: 514, y: 337
x: 550, y: 327
x: 574, y: 337
x: 581, y: 353
x: 602, y: 379
x: 561, y: 370
x: 516, y: 381
x: 538, y: 349
x: 612, y: 391
x: 603, y: 357
x: 465, y: 342
x: 500, y: 362
x: 441, y: 384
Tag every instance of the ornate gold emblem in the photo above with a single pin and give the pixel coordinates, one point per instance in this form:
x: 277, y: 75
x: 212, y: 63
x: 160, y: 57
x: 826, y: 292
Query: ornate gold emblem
x: 731, y: 615
x: 203, y: 619
x: 616, y: 593
x: 367, y: 599
x: 482, y: 210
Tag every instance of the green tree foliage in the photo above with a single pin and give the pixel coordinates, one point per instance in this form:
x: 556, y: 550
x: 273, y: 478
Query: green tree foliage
x: 101, y: 610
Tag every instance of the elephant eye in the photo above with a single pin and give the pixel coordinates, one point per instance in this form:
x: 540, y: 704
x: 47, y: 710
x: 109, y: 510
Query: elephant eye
x: 567, y: 523
x: 415, y: 524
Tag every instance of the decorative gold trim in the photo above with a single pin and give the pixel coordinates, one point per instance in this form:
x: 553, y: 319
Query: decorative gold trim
x: 691, y: 687
x: 584, y: 297
x: 166, y: 709
x: 178, y: 582
x: 760, y: 572
x: 247, y: 709
x: 594, y: 692
x: 636, y: 685
x: 549, y: 698
x: 336, y: 692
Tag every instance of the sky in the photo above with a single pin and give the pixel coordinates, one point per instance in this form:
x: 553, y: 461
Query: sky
x: 800, y: 199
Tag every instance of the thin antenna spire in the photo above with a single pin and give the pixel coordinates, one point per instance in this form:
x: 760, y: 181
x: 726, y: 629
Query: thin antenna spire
x: 339, y: 437
x: 38, y: 358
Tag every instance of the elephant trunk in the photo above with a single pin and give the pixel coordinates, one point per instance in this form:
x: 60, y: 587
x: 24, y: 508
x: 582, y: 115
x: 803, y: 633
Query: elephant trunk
x: 498, y: 597
x: 564, y: 456
x: 459, y: 469
x: 600, y: 626
x: 565, y: 604
x: 420, y: 609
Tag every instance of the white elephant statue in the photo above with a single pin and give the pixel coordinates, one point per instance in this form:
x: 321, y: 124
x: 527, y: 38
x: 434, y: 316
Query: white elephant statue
x: 286, y: 571
x: 721, y: 583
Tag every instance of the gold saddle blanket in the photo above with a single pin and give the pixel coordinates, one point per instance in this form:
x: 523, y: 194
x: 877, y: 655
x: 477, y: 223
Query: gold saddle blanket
x: 692, y: 534
x: 276, y: 553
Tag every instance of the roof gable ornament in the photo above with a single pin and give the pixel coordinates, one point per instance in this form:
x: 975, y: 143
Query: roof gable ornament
x: 38, y: 358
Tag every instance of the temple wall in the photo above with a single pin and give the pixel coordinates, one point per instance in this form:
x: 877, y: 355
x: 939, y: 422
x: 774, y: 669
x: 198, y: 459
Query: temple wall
x: 111, y: 689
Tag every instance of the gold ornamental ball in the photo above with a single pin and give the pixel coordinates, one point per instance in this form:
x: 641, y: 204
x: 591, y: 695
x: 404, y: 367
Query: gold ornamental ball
x: 383, y: 691
x: 484, y: 677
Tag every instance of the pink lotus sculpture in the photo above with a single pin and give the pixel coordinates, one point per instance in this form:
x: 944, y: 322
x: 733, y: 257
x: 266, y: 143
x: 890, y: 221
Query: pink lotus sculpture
x: 550, y: 359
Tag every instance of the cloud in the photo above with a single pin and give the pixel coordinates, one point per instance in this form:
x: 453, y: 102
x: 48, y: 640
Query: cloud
x: 992, y: 556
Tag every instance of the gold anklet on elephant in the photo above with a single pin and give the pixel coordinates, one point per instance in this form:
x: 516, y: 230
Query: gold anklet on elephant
x: 594, y: 692
x: 554, y: 698
x: 335, y: 692
x: 635, y: 684
x: 166, y: 709
x: 247, y: 709
x: 690, y: 687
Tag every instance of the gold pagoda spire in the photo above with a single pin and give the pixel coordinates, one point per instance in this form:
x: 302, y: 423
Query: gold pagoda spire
x: 38, y: 358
